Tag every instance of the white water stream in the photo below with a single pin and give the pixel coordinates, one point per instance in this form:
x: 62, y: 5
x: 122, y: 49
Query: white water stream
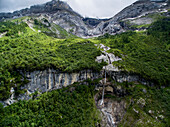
x: 110, y: 119
x: 102, y: 101
x: 107, y: 109
x: 107, y: 114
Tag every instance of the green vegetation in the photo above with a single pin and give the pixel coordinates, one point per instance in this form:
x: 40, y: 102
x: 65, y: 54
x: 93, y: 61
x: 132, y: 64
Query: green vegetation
x: 31, y: 50
x: 51, y: 29
x: 23, y: 49
x: 73, y: 106
x: 144, y: 26
x: 12, y: 29
x: 148, y: 106
x: 145, y: 54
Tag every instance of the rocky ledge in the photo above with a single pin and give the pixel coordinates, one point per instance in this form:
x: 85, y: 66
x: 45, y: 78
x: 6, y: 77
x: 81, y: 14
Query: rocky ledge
x: 47, y: 80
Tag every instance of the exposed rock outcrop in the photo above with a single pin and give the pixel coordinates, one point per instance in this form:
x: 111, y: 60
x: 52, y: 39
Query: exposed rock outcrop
x: 112, y: 112
x: 108, y: 58
x: 138, y: 9
x: 112, y: 109
x: 50, y: 79
x: 11, y: 99
x: 61, y: 13
x: 57, y: 12
x: 114, y: 72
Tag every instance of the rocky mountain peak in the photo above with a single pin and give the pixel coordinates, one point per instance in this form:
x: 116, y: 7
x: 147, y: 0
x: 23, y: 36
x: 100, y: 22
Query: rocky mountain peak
x: 60, y: 13
x: 54, y: 5
x: 49, y: 7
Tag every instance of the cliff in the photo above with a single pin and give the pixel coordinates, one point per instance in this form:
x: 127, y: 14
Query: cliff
x: 66, y: 82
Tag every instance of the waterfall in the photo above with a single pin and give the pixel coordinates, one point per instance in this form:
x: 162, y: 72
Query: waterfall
x: 106, y: 110
x: 12, y: 92
x: 103, y: 89
x: 105, y: 76
x: 110, y: 119
x: 102, y: 96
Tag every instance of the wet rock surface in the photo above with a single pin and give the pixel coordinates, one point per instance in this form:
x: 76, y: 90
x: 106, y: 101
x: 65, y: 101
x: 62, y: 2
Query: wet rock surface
x: 112, y: 109
x: 109, y: 98
x: 114, y: 72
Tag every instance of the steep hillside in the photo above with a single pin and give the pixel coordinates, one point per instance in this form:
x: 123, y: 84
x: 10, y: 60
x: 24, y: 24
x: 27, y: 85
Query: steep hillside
x: 139, y: 10
x: 49, y: 76
x: 61, y: 14
x: 56, y: 12
x: 72, y: 106
x: 145, y: 53
x: 33, y: 63
x: 26, y: 49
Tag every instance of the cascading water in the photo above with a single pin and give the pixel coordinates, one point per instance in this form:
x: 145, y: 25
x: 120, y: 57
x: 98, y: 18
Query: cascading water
x: 108, y: 107
x: 106, y: 112
x: 102, y: 101
x: 108, y: 115
x: 110, y: 119
x: 102, y: 97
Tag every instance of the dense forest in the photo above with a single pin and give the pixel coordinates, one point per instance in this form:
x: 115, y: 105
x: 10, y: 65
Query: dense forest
x: 29, y: 50
x: 68, y: 107
x: 145, y: 53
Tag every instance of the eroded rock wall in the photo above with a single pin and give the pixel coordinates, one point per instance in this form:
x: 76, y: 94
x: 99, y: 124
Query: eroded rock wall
x: 47, y: 80
x: 50, y: 79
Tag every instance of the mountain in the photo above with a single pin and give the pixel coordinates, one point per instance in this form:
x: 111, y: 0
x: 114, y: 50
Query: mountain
x: 57, y: 12
x: 139, y: 10
x: 60, y: 13
x: 58, y: 68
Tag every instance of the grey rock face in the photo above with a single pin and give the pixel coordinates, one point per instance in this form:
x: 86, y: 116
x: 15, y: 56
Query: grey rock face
x: 57, y: 12
x: 50, y: 79
x: 112, y: 113
x: 60, y: 13
x: 69, y: 21
x: 112, y: 110
x: 47, y: 80
x: 141, y: 21
x: 128, y: 77
x: 10, y: 100
x: 137, y: 9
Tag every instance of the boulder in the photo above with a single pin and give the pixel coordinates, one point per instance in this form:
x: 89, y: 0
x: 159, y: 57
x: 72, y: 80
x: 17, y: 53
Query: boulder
x: 109, y: 89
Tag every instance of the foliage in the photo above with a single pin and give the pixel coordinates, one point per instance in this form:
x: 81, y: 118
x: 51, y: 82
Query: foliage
x: 51, y: 29
x: 11, y: 28
x: 32, y: 50
x: 57, y: 108
x: 145, y: 54
x: 148, y: 106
